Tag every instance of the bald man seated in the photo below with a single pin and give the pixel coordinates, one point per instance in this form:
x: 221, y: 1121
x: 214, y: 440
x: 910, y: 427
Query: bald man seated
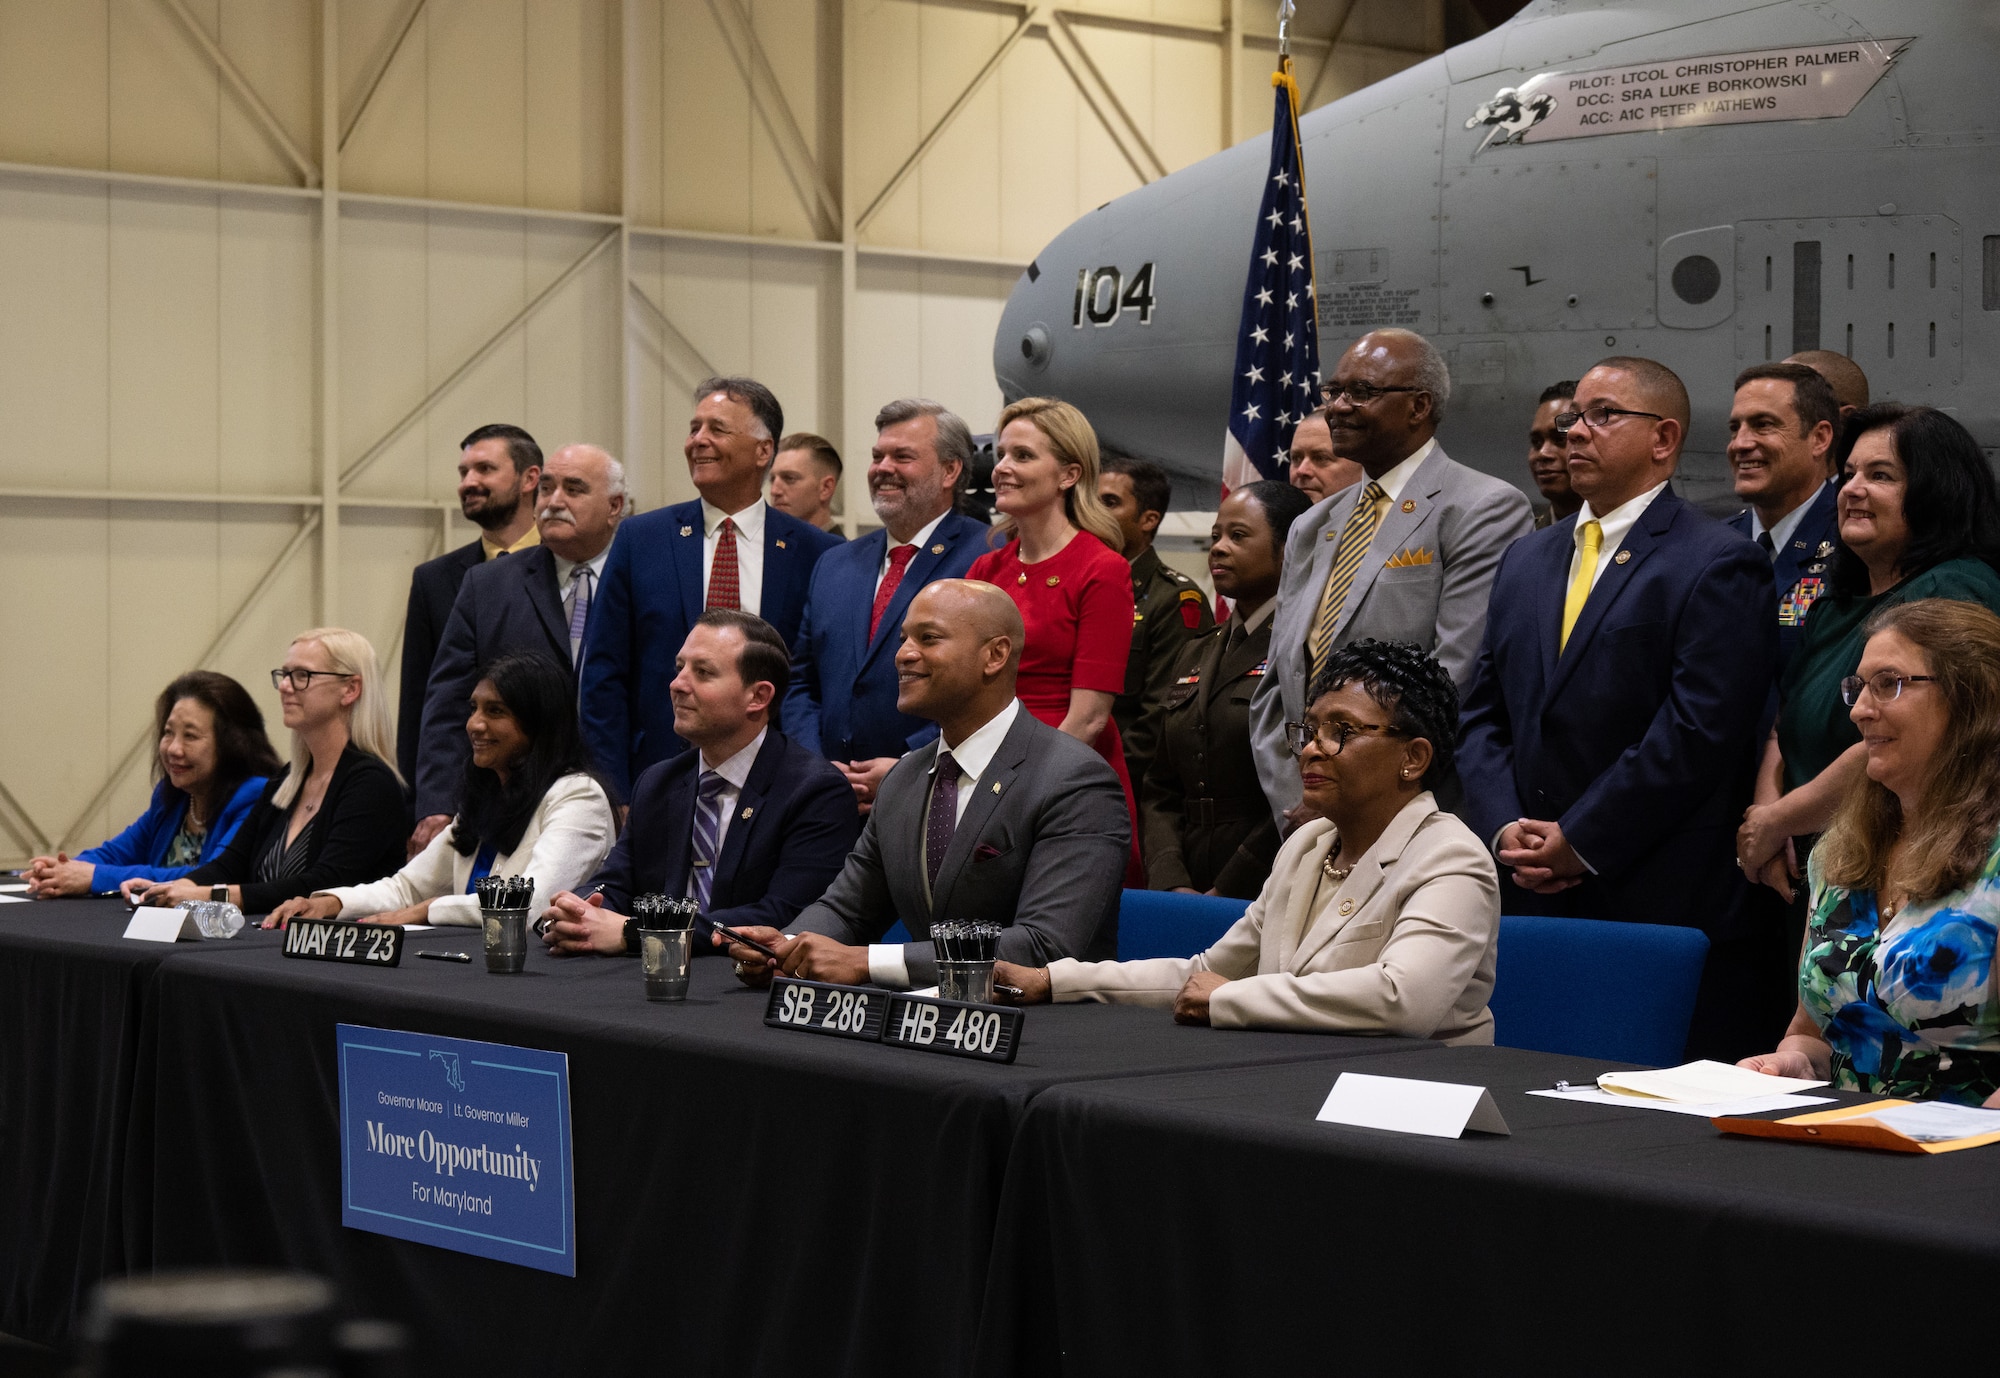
x: 1002, y: 820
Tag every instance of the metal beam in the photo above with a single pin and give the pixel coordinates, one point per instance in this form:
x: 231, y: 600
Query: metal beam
x: 1071, y: 63
x: 136, y: 751
x: 767, y: 97
x: 937, y: 130
x: 22, y: 825
x: 674, y: 335
x: 472, y: 361
x: 328, y: 401
x: 1326, y: 58
x: 1131, y: 126
x: 245, y: 92
x: 755, y: 241
x: 424, y: 203
x: 411, y: 12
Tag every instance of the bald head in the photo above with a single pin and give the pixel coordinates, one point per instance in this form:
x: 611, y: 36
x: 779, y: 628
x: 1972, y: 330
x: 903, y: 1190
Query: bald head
x: 1842, y: 374
x: 1406, y: 384
x: 581, y: 499
x: 961, y: 649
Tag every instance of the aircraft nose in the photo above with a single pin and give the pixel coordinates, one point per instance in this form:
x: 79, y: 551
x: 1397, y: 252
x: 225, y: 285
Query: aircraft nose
x: 1024, y: 347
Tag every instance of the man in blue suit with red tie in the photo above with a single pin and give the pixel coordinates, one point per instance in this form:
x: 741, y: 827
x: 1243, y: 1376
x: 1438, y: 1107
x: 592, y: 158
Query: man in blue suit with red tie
x: 727, y: 549
x: 1610, y: 727
x: 842, y: 702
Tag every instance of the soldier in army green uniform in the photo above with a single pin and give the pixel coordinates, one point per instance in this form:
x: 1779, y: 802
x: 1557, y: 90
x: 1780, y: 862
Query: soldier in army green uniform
x: 1207, y: 825
x: 1169, y: 606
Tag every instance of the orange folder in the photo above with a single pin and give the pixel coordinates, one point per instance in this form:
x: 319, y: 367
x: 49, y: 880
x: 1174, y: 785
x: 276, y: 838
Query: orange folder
x: 1848, y: 1127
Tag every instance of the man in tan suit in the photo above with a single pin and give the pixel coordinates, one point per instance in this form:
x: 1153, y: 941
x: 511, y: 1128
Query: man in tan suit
x: 1381, y: 916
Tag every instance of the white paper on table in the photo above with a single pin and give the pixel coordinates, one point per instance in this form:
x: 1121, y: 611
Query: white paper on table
x: 15, y: 899
x: 1935, y: 1121
x: 19, y: 887
x: 428, y: 927
x: 154, y: 924
x: 1441, y: 1109
x: 1702, y: 1083
x: 1750, y: 1105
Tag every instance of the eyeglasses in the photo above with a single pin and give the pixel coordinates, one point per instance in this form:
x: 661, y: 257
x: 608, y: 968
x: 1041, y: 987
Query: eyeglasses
x: 1332, y: 735
x: 1597, y: 418
x: 301, y: 680
x: 1884, y: 686
x: 1360, y: 394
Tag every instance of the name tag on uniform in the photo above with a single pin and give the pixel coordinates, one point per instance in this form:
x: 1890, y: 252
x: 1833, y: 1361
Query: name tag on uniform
x: 334, y: 940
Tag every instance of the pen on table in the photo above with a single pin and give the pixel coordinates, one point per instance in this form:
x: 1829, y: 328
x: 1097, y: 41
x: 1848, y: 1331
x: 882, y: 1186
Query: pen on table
x: 1574, y: 1086
x: 445, y: 956
x: 731, y: 935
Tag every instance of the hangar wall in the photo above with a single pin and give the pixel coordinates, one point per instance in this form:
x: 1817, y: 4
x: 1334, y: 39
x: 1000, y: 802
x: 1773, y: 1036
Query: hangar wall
x: 262, y: 262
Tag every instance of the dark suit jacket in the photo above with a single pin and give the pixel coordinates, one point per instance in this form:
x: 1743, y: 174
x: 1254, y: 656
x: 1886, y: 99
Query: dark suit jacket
x: 1040, y: 851
x: 1640, y: 739
x: 1799, y: 571
x: 359, y: 836
x: 433, y: 586
x: 793, y: 826
x: 842, y: 702
x: 505, y: 607
x: 647, y: 600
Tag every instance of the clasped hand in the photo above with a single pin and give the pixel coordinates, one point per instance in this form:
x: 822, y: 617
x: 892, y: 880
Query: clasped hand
x: 1540, y: 856
x: 50, y: 876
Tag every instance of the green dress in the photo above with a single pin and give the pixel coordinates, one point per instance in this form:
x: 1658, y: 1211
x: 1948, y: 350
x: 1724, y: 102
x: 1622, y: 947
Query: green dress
x: 1813, y: 726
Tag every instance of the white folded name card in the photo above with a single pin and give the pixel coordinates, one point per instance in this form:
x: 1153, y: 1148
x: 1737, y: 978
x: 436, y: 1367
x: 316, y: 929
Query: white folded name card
x: 155, y: 925
x: 1442, y: 1109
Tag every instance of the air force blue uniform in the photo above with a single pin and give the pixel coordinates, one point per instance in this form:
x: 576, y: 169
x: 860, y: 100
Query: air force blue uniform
x: 1799, y: 571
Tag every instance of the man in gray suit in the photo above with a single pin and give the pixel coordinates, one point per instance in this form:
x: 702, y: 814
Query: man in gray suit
x: 1408, y: 554
x: 1003, y: 820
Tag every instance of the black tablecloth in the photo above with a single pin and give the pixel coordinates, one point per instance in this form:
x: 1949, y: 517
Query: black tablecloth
x: 748, y: 1199
x: 73, y: 998
x: 1205, y: 1223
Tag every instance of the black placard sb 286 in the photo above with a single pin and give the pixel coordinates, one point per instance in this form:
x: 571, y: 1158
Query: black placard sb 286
x: 991, y: 1033
x: 332, y: 940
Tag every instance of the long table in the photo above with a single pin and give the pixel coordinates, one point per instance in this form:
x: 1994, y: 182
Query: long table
x: 749, y: 1200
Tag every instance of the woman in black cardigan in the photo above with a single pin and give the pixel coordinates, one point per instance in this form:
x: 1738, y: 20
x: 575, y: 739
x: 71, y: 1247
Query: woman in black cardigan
x: 337, y: 815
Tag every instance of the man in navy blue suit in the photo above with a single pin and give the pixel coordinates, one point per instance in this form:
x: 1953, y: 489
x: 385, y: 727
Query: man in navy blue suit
x: 1610, y: 727
x: 750, y: 825
x: 726, y: 549
x: 1781, y: 429
x: 842, y: 702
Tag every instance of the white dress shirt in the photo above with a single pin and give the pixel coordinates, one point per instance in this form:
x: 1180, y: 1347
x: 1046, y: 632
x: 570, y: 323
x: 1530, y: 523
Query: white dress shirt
x: 567, y: 590
x: 749, y: 552
x: 920, y: 540
x: 1782, y: 532
x: 735, y: 772
x: 1614, y: 525
x: 885, y: 960
x: 1393, y: 482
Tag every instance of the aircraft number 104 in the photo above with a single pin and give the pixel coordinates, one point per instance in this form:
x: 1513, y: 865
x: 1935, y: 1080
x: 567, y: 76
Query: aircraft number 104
x: 1102, y: 294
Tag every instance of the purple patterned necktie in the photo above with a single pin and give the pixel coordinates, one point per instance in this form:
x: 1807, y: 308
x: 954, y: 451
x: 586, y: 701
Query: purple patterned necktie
x: 707, y: 827
x: 943, y: 821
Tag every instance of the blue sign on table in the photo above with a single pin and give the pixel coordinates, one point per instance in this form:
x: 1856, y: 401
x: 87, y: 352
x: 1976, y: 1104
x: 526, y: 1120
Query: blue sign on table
x: 460, y: 1144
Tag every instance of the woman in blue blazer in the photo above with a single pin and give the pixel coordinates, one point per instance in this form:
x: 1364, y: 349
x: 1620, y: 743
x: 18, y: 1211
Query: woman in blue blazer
x: 211, y: 765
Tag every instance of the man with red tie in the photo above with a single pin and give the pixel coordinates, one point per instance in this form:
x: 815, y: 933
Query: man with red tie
x: 842, y: 701
x: 727, y: 549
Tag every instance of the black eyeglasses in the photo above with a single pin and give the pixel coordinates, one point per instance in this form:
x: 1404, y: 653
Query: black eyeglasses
x: 1360, y: 394
x: 1597, y: 418
x: 1333, y: 735
x: 1884, y: 686
x: 301, y: 680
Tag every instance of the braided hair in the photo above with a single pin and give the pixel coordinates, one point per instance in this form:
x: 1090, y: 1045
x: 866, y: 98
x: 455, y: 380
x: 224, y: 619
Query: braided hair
x: 1408, y: 684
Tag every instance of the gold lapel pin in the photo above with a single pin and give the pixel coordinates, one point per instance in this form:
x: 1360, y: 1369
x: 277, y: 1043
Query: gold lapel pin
x: 938, y: 549
x: 1329, y: 536
x: 1621, y: 557
x: 1346, y: 908
x: 781, y: 545
x: 996, y: 786
x: 687, y: 531
x: 746, y: 814
x: 1054, y: 579
x: 1409, y: 505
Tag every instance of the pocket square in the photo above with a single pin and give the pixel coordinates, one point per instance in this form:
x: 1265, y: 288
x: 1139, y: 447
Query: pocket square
x: 1406, y: 558
x: 985, y: 851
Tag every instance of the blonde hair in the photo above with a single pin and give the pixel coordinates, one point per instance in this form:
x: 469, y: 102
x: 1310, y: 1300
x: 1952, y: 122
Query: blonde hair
x: 1946, y: 847
x: 349, y: 653
x: 1069, y: 434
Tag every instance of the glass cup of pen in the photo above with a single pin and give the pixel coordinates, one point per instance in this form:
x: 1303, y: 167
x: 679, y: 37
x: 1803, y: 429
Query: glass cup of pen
x: 965, y: 954
x: 503, y: 913
x: 666, y: 944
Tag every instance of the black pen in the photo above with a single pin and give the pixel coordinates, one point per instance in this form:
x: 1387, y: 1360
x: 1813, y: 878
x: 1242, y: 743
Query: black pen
x: 1567, y: 1086
x: 445, y: 956
x: 731, y: 935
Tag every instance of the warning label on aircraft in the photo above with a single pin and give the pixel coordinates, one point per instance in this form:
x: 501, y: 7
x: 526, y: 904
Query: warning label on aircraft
x: 1817, y: 82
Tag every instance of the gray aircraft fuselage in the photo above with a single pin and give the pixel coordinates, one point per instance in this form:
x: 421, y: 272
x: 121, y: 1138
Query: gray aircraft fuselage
x: 1546, y: 236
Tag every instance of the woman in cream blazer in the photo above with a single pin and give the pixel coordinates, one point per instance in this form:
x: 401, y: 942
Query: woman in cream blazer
x: 1380, y: 916
x: 530, y: 807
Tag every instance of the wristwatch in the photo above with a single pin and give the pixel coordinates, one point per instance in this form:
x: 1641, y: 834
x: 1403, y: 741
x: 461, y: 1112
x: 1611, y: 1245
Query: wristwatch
x: 219, y: 894
x: 632, y: 945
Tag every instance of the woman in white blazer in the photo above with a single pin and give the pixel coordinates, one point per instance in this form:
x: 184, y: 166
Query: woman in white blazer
x: 530, y: 806
x: 1380, y: 916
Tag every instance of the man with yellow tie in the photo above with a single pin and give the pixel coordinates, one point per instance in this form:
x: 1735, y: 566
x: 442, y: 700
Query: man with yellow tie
x: 1609, y: 733
x: 1408, y: 554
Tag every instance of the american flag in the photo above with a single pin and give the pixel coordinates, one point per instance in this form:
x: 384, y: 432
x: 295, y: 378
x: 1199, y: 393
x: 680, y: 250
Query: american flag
x: 1277, y: 346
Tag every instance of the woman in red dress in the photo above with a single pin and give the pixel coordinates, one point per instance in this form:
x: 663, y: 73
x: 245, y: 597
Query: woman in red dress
x: 1062, y: 568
